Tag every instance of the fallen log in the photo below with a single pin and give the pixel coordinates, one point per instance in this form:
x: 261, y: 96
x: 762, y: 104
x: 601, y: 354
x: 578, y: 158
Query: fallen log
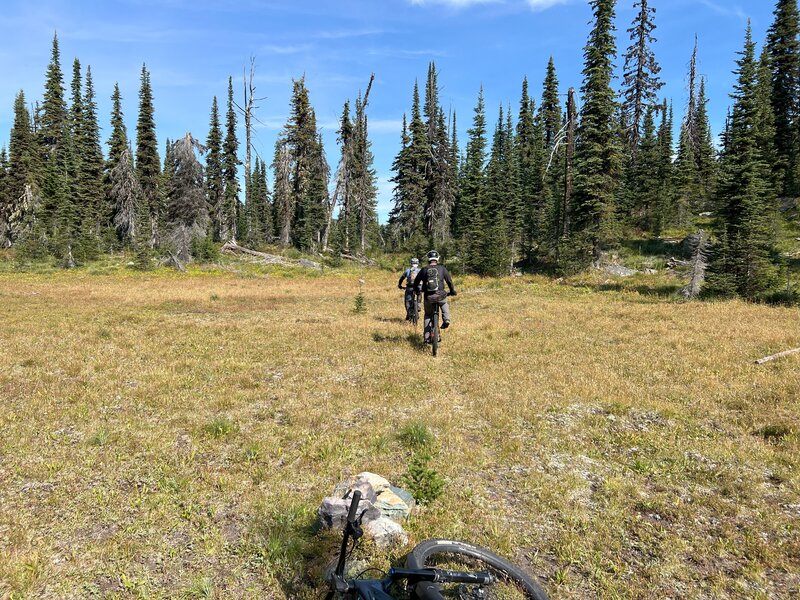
x: 268, y: 259
x: 767, y: 359
x: 359, y: 259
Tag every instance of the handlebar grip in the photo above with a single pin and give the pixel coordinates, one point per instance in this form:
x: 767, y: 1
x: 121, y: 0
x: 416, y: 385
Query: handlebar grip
x: 351, y: 515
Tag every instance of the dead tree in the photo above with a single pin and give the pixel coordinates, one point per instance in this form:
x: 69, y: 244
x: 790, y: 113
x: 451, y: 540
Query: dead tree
x: 247, y: 109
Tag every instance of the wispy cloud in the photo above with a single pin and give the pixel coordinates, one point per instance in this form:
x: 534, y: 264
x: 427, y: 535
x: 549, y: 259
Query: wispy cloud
x: 728, y: 10
x: 533, y: 4
x: 282, y: 49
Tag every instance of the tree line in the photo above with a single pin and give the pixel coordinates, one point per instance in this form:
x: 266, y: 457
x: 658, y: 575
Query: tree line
x: 557, y: 186
x: 553, y: 183
x: 60, y: 196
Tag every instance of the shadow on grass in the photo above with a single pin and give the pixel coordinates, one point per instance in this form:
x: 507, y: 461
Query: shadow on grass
x: 657, y: 291
x: 651, y: 247
x: 389, y: 319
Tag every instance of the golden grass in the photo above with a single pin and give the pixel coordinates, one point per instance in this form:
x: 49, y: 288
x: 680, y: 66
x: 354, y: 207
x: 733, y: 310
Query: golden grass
x: 169, y: 435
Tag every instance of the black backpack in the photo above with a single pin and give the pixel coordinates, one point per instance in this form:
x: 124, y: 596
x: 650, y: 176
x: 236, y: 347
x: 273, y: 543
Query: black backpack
x: 433, y: 280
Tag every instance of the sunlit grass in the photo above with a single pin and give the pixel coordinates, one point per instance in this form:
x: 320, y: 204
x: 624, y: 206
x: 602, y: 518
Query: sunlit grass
x: 171, y: 435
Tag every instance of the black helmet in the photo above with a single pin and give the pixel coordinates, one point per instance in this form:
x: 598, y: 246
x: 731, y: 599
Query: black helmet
x: 433, y: 255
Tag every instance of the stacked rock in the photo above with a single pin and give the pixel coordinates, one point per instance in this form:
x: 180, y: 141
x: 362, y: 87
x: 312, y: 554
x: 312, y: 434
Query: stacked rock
x: 383, y: 507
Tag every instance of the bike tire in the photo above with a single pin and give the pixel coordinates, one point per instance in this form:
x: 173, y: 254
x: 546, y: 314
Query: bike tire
x: 415, y: 315
x: 426, y: 554
x: 435, y: 333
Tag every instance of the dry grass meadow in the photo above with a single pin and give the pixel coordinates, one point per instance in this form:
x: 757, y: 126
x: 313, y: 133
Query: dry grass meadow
x: 171, y: 435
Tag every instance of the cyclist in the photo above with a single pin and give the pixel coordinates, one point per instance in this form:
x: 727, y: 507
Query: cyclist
x: 431, y: 281
x: 409, y: 275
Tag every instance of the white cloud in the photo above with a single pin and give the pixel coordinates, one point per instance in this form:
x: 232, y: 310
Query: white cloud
x: 543, y: 4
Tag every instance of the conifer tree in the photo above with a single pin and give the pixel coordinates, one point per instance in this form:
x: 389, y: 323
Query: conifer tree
x: 229, y: 213
x: 187, y: 211
x: 597, y: 153
x: 438, y: 172
x: 664, y: 208
x: 118, y: 142
x: 148, y: 163
x: 92, y: 192
x: 399, y: 227
x: 21, y: 171
x: 419, y: 154
x: 58, y: 214
x: 215, y: 183
x: 130, y: 215
x: 641, y: 83
x: 550, y: 163
x: 783, y: 44
x: 470, y: 211
x: 284, y: 199
x: 309, y: 170
x: 743, y: 262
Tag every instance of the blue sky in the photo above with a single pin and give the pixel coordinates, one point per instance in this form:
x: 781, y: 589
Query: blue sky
x: 192, y: 46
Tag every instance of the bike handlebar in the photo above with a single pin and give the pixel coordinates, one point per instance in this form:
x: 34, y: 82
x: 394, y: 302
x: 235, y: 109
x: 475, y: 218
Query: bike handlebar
x: 351, y: 515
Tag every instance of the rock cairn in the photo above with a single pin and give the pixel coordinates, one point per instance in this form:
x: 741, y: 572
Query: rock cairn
x: 382, y: 509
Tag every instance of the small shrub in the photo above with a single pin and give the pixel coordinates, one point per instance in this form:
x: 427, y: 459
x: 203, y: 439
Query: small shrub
x: 204, y: 250
x: 100, y: 438
x: 220, y: 427
x: 201, y: 588
x: 424, y: 483
x: 360, y: 305
x: 416, y: 435
x: 214, y: 297
x: 774, y: 433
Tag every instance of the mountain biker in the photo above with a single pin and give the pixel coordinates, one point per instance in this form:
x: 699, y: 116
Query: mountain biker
x: 431, y: 281
x: 409, y: 275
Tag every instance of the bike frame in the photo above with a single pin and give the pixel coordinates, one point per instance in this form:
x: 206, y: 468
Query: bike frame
x: 378, y: 589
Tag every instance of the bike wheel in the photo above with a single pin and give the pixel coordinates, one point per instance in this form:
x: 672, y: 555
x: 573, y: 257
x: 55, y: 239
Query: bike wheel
x: 415, y: 314
x: 435, y: 333
x: 512, y: 582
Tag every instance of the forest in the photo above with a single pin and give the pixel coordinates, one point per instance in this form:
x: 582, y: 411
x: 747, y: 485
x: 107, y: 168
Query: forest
x: 552, y: 186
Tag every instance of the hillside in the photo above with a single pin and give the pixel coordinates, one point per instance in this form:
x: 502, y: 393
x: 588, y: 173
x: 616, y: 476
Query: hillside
x: 171, y: 435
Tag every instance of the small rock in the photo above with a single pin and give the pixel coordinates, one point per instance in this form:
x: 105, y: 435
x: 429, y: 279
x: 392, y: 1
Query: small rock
x: 378, y: 483
x: 365, y: 487
x: 619, y: 271
x: 333, y: 512
x: 386, y: 533
x: 392, y: 506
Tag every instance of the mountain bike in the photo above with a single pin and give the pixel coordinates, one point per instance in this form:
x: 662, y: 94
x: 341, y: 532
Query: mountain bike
x: 415, y: 308
x: 435, y: 570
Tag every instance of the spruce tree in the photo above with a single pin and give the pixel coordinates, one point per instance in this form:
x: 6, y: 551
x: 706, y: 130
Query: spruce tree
x: 309, y: 170
x: 21, y: 170
x: 470, y: 216
x: 744, y: 260
x: 419, y: 151
x: 130, y: 215
x: 549, y: 124
x: 783, y: 43
x: 187, y: 210
x: 118, y: 142
x: 664, y: 209
x: 214, y: 181
x: 641, y: 83
x: 229, y: 214
x: 438, y: 172
x: 92, y: 191
x: 148, y: 163
x: 402, y: 197
x: 597, y: 152
x: 284, y: 199
x: 58, y: 215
